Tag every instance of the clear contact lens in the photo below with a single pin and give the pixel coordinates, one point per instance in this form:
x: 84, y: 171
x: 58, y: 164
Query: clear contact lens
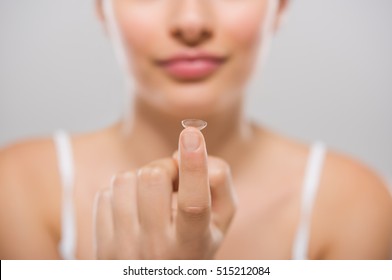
x: 199, y: 124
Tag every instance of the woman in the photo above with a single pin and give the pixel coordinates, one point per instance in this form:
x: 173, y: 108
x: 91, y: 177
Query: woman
x: 253, y: 194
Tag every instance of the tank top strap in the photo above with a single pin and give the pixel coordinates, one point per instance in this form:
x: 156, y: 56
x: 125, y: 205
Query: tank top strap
x: 66, y: 169
x: 309, y: 190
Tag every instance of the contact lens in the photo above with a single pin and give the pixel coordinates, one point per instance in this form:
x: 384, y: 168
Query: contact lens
x: 199, y: 124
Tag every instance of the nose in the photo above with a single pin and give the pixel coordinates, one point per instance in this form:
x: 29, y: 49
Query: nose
x: 191, y: 22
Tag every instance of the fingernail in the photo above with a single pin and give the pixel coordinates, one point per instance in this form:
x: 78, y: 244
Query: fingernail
x: 191, y: 140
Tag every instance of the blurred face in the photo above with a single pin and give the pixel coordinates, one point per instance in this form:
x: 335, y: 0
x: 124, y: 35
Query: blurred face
x: 190, y: 57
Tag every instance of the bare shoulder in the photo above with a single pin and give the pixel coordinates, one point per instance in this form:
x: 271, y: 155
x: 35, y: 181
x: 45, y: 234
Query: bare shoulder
x: 352, y: 215
x: 29, y: 199
x: 30, y: 161
x: 355, y: 207
x: 30, y: 192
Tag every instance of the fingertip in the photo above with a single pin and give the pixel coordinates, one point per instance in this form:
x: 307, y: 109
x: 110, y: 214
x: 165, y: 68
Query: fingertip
x: 122, y: 179
x: 191, y: 140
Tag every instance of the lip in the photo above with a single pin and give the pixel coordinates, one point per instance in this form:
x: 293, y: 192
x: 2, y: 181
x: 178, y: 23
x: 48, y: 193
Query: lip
x: 191, y: 66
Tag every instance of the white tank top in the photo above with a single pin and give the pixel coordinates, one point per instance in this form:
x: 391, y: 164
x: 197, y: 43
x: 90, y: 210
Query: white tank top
x: 67, y: 243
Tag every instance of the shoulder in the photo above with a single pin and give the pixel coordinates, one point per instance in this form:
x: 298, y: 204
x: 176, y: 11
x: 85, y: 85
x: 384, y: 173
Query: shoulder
x: 25, y: 150
x: 355, y: 206
x: 27, y: 160
x: 29, y: 194
x: 352, y: 215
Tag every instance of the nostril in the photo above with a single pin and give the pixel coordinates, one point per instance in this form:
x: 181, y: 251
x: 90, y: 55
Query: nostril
x: 192, y: 37
x: 192, y: 21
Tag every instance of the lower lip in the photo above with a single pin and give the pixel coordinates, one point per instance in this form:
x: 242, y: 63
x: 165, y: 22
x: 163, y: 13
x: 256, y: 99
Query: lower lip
x: 189, y: 70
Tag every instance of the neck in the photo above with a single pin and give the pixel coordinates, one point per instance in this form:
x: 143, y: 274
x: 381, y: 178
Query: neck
x: 149, y: 134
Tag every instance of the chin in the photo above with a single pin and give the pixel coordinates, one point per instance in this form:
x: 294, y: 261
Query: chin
x: 188, y: 108
x: 189, y: 99
x: 195, y: 101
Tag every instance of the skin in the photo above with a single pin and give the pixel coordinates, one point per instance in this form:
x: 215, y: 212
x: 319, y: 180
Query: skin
x: 225, y: 198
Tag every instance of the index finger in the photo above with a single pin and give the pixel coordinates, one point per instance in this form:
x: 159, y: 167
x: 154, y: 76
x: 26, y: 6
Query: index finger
x: 194, y: 198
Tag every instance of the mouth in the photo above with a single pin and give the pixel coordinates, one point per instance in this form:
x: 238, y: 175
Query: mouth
x: 191, y: 67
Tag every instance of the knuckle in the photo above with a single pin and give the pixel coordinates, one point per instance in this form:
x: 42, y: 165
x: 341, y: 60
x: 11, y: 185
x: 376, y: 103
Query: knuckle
x: 152, y: 175
x: 122, y: 180
x: 233, y: 210
x: 234, y: 204
x: 220, y: 173
x: 121, y: 185
x: 194, y: 212
x: 104, y: 196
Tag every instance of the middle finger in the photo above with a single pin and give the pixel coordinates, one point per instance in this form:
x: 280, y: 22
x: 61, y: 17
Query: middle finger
x: 154, y: 194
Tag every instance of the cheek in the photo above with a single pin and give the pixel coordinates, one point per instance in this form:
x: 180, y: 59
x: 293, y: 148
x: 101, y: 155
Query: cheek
x: 245, y: 24
x: 137, y: 30
x: 248, y: 39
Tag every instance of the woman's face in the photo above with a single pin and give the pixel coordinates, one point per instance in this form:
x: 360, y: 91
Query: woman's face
x: 218, y: 42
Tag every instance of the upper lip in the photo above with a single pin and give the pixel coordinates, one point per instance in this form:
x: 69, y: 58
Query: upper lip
x: 192, y: 56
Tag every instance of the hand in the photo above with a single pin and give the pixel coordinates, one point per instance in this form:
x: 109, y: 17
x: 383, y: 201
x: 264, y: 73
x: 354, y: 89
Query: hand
x: 143, y: 217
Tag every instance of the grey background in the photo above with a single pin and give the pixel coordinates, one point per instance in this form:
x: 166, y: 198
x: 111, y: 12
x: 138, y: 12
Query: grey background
x: 328, y: 75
